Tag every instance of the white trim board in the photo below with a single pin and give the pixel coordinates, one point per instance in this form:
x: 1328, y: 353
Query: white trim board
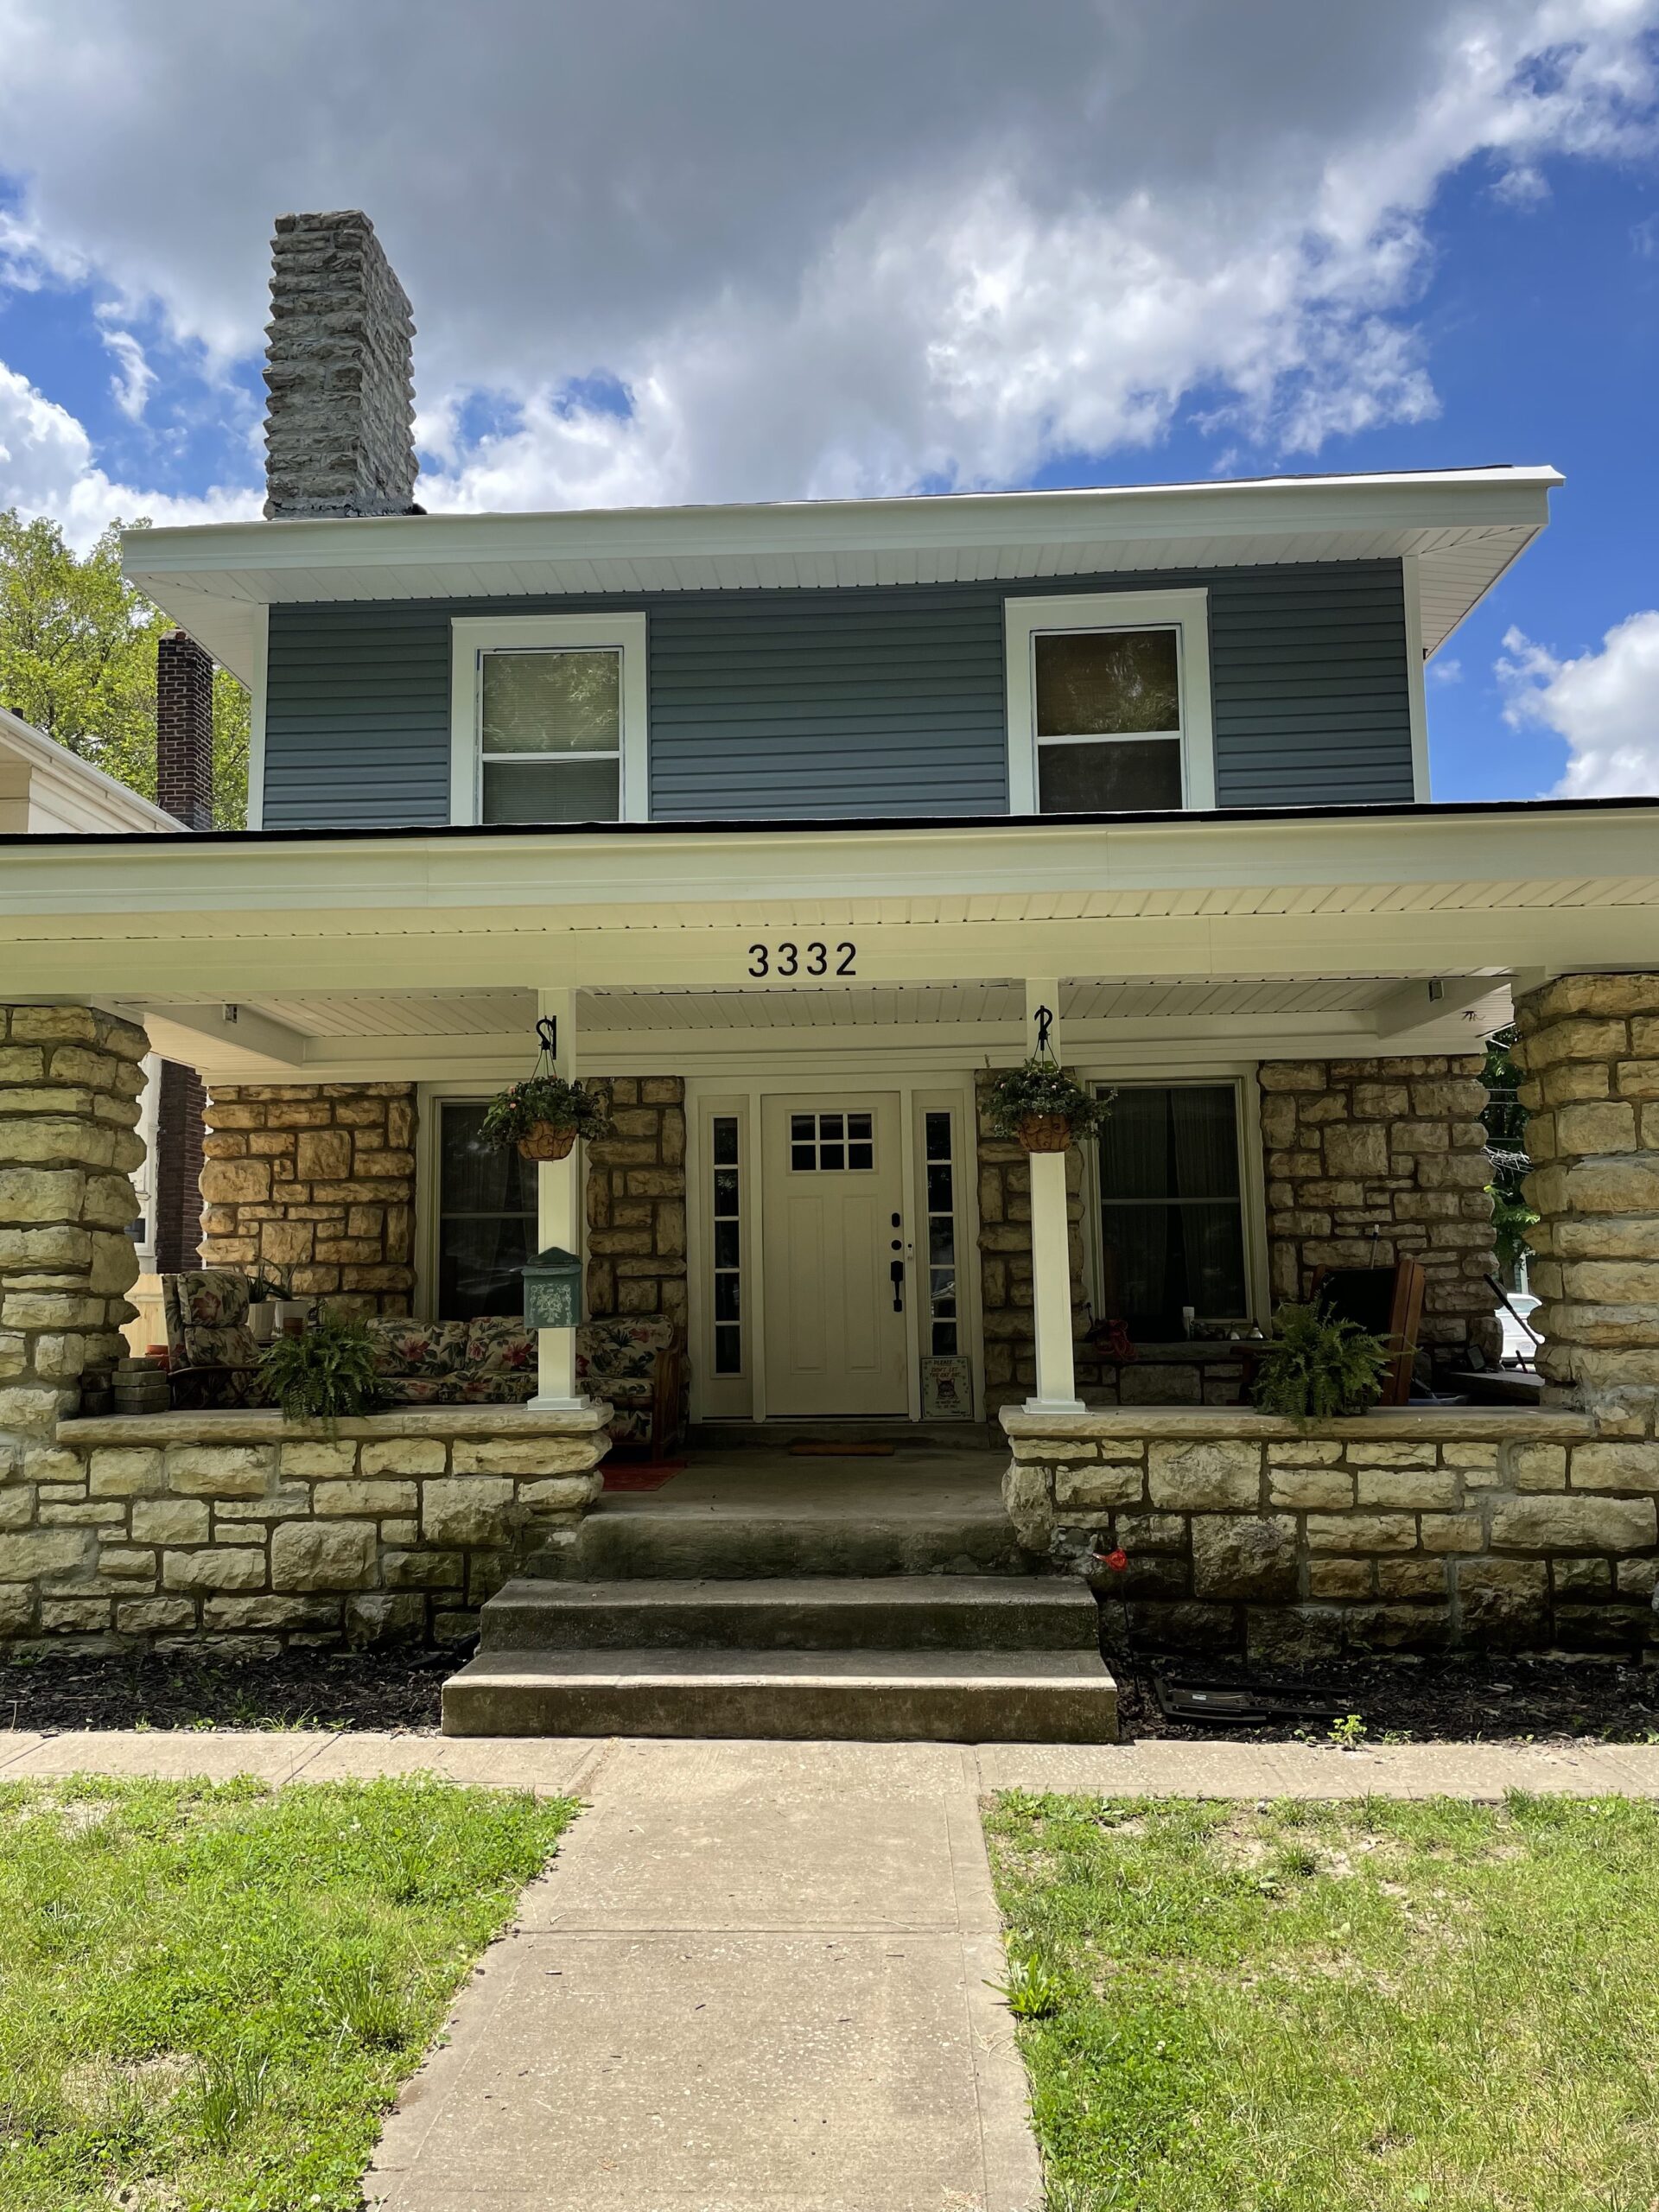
x: 1186, y: 613
x: 470, y: 636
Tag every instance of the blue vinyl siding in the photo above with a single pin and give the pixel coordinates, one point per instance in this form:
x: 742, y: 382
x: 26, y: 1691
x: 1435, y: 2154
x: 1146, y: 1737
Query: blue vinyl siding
x: 817, y: 704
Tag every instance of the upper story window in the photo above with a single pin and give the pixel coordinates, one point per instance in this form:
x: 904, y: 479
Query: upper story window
x: 1108, y: 703
x: 547, y: 718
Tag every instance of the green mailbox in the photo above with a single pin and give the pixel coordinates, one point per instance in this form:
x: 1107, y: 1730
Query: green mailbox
x: 553, y: 1289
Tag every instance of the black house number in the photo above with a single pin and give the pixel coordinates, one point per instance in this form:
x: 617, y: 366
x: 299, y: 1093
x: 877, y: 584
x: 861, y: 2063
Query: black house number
x: 814, y: 959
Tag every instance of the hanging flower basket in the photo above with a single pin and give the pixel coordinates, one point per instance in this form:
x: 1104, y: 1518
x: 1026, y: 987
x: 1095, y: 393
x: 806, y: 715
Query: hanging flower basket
x: 542, y: 1117
x: 1042, y: 1108
x: 542, y: 1141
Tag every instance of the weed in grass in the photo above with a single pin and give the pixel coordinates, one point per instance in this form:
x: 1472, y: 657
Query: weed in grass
x: 1032, y: 1990
x: 231, y: 2094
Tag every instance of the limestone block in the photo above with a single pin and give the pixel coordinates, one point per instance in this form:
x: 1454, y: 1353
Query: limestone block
x: 1581, y: 1578
x: 114, y: 1266
x: 234, y: 1567
x: 1572, y: 1523
x: 322, y: 1555
x: 219, y: 1470
x: 1594, y: 1127
x: 59, y: 1359
x: 291, y: 1502
x: 56, y: 1246
x: 53, y: 1463
x: 1356, y: 1149
x: 32, y: 1411
x: 423, y: 1570
x: 1244, y: 1556
x: 1537, y: 1467
x: 235, y: 1182
x: 1612, y: 1281
x: 50, y: 1309
x: 267, y: 1612
x: 1361, y: 1532
x: 1340, y: 1577
x: 17, y: 1610
x: 1392, y: 1455
x: 471, y: 1511
x: 83, y: 1615
x: 57, y: 1140
x: 1595, y: 1186
x: 1476, y: 1458
x: 1627, y: 1467
x: 170, y: 1521
x: 1637, y: 1578
x: 126, y: 1563
x: 153, y: 1616
x: 1572, y: 1040
x: 1312, y: 1454
x: 562, y: 1494
x: 375, y: 1497
x: 1204, y: 1478
x: 1323, y: 1489
x: 1503, y: 1600
x: 1435, y: 1489
x: 1412, y: 1577
x: 403, y: 1455
x: 378, y: 1617
x: 1050, y: 1449
x: 1451, y: 1532
x: 1027, y: 1495
x: 529, y: 1455
x: 317, y: 1459
x: 323, y: 1155
x: 37, y: 1194
x: 33, y: 1553
x: 1089, y: 1488
x: 16, y: 1509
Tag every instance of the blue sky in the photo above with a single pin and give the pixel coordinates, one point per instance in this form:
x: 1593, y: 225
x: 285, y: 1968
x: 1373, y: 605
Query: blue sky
x: 944, y: 245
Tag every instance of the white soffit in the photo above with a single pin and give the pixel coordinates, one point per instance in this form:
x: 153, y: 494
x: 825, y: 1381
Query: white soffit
x: 1464, y: 527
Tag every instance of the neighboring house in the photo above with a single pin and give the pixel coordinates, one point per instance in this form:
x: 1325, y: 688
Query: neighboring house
x: 46, y: 791
x: 794, y: 818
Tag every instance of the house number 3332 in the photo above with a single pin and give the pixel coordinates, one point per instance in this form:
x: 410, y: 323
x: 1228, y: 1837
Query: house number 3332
x: 814, y: 959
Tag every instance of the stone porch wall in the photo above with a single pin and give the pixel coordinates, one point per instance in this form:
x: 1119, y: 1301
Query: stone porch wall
x: 1415, y: 1532
x: 316, y: 1181
x: 636, y: 1199
x: 241, y: 1531
x: 1370, y: 1160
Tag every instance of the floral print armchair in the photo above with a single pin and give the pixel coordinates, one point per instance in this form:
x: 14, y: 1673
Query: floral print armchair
x: 212, y: 1359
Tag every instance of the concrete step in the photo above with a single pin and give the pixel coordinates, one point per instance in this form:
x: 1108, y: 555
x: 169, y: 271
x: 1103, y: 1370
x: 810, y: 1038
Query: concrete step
x: 892, y: 1612
x: 626, y: 1540
x: 974, y: 1697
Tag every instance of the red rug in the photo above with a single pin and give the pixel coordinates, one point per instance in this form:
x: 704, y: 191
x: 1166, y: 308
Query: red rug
x: 643, y: 1474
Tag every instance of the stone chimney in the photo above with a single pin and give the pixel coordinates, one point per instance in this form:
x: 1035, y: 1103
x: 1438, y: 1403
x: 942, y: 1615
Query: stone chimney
x: 184, y: 730
x: 339, y: 426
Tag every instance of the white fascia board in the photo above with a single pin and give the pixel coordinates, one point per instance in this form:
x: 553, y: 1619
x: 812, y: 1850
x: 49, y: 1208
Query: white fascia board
x: 467, y: 555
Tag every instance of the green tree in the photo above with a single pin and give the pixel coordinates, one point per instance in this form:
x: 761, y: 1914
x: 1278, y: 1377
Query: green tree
x: 78, y: 660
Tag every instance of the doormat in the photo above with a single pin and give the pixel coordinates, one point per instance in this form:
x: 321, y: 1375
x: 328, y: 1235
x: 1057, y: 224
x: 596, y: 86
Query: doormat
x: 816, y: 1449
x: 644, y: 1474
x: 1240, y: 1704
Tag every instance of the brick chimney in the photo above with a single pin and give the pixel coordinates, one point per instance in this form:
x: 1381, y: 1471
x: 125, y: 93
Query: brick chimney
x: 184, y: 730
x: 339, y: 425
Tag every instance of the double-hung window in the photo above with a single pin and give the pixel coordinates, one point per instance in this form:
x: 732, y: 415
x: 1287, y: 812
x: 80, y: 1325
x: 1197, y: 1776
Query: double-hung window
x: 1108, y: 703
x: 1172, y: 1207
x: 547, y: 718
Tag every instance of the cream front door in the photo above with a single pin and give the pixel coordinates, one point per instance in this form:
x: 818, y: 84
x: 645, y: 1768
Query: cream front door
x: 832, y: 1192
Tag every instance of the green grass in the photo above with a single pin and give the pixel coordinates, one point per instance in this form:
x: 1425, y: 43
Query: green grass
x: 209, y: 1994
x: 1336, y: 2008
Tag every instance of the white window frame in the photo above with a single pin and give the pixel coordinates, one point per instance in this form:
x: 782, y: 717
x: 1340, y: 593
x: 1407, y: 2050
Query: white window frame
x: 1186, y: 613
x: 471, y: 636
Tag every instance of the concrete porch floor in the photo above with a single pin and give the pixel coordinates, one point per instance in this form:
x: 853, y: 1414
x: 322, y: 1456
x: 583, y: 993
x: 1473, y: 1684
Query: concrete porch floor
x: 764, y: 1480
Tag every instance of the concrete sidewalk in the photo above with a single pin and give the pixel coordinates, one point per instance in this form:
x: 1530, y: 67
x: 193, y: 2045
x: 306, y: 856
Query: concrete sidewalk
x: 757, y: 1978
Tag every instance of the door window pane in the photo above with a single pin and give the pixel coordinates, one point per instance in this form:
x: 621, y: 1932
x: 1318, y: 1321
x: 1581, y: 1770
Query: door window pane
x: 1134, y: 776
x: 1108, y: 683
x: 1172, y: 1221
x: 831, y: 1143
x: 486, y: 1217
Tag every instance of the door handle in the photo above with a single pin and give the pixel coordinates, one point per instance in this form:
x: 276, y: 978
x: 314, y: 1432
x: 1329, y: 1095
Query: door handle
x: 896, y: 1271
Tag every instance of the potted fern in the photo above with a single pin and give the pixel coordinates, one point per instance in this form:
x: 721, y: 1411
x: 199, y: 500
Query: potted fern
x: 1042, y: 1107
x: 1316, y: 1367
x: 542, y: 1116
x: 327, y: 1375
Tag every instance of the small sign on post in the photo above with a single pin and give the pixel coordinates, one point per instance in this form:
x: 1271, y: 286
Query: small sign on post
x: 553, y: 1289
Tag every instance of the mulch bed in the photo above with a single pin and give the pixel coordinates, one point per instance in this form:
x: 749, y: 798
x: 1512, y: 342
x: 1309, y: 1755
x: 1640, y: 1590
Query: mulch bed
x: 1501, y: 1699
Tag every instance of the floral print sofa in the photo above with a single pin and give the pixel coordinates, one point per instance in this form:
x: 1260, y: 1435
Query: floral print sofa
x: 212, y: 1359
x: 635, y: 1362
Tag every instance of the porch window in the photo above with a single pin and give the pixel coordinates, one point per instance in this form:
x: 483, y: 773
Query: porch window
x: 486, y: 1217
x: 1108, y: 703
x: 1172, y: 1223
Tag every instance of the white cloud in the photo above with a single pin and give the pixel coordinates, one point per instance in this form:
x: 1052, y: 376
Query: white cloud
x: 824, y: 251
x: 1605, y: 705
x: 134, y: 379
x: 1444, y: 670
x: 46, y: 466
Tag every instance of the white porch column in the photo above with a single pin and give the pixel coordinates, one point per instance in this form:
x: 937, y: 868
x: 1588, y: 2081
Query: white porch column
x: 558, y: 1218
x: 1050, y: 1242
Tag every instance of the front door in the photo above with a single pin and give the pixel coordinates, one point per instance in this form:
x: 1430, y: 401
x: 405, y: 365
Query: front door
x: 832, y: 1192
